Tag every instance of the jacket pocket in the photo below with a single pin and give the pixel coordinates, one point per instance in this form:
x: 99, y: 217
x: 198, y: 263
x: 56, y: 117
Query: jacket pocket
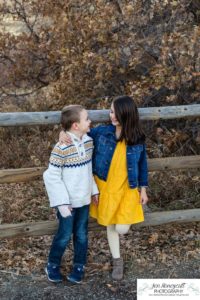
x: 103, y: 144
x: 134, y: 152
x: 136, y: 149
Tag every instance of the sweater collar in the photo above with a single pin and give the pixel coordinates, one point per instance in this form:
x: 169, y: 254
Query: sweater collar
x: 76, y: 138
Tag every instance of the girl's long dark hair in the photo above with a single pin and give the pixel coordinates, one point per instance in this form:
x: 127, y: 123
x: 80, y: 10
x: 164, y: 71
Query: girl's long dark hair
x: 127, y: 115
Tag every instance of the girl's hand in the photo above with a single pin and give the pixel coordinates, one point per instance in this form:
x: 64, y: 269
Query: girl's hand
x: 64, y: 138
x: 143, y: 196
x: 95, y: 200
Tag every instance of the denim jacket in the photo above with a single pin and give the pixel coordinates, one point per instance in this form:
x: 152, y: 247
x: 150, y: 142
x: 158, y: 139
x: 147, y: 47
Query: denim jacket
x: 104, y: 146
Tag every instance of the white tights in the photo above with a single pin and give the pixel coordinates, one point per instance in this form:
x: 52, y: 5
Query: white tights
x: 113, y: 232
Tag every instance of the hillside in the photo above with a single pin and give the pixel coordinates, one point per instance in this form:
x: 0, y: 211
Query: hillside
x: 54, y: 53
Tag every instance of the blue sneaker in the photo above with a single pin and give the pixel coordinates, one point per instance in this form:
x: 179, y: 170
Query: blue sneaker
x: 77, y: 273
x: 53, y: 273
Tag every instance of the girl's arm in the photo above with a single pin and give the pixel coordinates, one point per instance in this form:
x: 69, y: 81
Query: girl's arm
x: 93, y: 132
x: 143, y: 176
x: 143, y: 196
x: 143, y: 169
x: 64, y: 138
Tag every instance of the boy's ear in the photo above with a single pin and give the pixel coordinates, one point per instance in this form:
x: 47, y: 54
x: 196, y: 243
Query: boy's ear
x: 75, y: 126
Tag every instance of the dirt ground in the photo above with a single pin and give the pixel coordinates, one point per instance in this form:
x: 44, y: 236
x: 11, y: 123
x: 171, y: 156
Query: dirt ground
x: 170, y: 251
x: 100, y: 286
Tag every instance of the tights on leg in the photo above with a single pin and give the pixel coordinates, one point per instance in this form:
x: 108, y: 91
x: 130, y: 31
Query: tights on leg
x: 113, y: 232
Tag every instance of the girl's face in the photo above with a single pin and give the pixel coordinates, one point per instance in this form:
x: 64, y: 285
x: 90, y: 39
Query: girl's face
x: 113, y: 117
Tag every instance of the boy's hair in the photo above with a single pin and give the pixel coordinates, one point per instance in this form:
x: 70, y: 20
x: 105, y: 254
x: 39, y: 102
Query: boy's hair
x: 69, y: 115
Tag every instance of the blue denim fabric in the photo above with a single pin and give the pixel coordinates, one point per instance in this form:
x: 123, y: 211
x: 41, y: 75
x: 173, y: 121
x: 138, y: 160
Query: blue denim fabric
x: 77, y: 224
x: 104, y: 146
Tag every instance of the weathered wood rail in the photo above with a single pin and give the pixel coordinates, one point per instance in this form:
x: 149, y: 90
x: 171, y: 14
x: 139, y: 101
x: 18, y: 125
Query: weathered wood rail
x: 49, y: 227
x: 154, y: 164
x: 97, y: 116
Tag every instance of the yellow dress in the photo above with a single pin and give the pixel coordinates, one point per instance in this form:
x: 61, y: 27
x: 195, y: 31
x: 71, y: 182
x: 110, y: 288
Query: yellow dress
x: 118, y: 203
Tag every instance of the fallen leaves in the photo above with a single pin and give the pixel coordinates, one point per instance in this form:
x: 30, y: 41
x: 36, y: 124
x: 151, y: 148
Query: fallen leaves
x: 112, y: 288
x: 150, y: 247
x: 153, y: 238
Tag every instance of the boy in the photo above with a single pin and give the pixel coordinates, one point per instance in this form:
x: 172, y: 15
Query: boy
x: 70, y: 184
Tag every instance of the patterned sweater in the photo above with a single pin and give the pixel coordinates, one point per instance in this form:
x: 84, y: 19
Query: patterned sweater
x: 69, y: 179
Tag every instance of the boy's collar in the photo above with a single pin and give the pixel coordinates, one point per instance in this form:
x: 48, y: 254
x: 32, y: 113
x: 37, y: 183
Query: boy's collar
x: 76, y: 138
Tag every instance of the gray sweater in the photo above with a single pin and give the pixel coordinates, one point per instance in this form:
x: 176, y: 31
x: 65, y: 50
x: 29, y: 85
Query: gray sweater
x: 69, y: 179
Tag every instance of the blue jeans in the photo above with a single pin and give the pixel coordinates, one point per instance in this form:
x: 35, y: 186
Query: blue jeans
x: 77, y: 224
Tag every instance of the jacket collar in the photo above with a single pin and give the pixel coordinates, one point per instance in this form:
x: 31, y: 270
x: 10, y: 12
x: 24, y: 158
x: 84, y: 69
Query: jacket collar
x: 111, y: 129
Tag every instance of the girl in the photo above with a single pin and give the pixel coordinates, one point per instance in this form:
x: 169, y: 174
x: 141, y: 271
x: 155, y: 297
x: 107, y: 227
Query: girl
x: 120, y: 168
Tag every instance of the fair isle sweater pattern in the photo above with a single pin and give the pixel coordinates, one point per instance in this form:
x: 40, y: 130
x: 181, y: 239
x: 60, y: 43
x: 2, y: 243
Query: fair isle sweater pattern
x: 69, y: 179
x: 68, y: 157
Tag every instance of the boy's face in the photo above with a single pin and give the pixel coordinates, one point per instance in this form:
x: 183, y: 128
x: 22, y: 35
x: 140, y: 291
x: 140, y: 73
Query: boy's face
x: 84, y: 124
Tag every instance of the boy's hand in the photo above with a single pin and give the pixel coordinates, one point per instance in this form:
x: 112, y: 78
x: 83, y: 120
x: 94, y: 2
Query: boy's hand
x: 64, y: 138
x: 143, y: 196
x: 65, y: 210
x: 95, y: 200
x: 70, y: 208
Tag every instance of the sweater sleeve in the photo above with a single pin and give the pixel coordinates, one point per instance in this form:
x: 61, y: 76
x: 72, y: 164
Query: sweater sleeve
x: 95, y: 190
x: 55, y: 187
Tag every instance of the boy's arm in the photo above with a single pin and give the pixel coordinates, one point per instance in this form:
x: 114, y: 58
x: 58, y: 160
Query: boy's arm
x: 65, y: 210
x: 95, y: 190
x: 56, y: 189
x: 95, y: 193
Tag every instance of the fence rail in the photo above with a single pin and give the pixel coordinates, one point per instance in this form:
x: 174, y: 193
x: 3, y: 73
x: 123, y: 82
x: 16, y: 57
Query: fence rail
x: 98, y: 116
x: 49, y: 227
x: 154, y: 164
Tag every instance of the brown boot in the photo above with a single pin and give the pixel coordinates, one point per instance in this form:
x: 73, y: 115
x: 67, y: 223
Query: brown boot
x: 118, y: 267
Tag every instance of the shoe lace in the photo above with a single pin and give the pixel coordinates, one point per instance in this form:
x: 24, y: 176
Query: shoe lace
x: 78, y: 269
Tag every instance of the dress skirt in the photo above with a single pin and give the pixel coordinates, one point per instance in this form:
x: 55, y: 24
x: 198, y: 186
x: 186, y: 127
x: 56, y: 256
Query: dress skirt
x: 118, y: 203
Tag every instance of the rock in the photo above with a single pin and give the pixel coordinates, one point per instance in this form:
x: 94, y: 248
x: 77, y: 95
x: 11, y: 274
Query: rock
x: 127, y: 51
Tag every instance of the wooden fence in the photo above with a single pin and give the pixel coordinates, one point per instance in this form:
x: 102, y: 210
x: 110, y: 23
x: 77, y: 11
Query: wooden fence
x: 97, y: 116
